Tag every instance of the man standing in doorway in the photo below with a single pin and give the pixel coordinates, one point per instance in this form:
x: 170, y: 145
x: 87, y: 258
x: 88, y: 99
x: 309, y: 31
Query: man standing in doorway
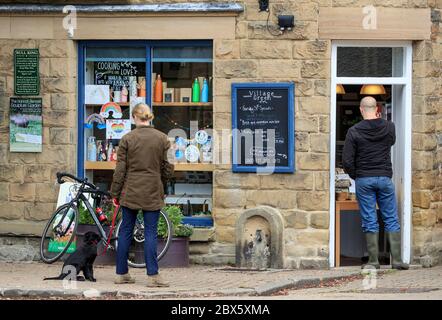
x: 367, y: 159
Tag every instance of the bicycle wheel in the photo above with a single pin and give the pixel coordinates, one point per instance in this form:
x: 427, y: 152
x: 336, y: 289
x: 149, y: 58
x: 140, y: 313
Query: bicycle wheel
x: 59, y: 233
x: 136, y: 248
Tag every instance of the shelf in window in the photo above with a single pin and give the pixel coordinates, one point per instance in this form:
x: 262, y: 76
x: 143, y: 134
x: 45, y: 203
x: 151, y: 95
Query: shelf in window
x: 100, y: 165
x: 183, y: 104
x: 110, y: 165
x: 121, y: 104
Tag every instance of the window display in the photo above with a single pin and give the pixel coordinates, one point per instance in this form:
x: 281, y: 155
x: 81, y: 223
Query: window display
x: 176, y: 81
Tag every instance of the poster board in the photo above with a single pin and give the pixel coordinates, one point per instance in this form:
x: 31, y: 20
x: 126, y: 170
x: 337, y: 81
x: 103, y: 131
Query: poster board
x: 25, y: 125
x: 266, y: 108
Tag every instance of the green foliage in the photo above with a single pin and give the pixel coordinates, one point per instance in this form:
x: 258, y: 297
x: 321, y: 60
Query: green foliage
x: 183, y: 230
x: 173, y: 212
x: 176, y: 217
x: 86, y: 218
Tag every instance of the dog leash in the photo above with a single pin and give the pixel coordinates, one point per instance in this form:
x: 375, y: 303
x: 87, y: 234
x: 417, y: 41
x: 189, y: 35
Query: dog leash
x: 111, y: 231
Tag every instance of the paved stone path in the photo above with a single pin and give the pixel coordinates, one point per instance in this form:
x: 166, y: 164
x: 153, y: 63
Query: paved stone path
x: 424, y: 284
x: 27, y: 279
x: 197, y: 282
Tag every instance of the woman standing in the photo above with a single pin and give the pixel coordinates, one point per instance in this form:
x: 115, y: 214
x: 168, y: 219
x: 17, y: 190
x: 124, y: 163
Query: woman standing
x: 141, y: 170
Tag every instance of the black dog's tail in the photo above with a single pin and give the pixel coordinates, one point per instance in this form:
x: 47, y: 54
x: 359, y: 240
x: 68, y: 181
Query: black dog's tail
x: 60, y: 277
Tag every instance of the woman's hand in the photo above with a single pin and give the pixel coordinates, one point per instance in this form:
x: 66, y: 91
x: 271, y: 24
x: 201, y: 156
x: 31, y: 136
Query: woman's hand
x: 116, y: 202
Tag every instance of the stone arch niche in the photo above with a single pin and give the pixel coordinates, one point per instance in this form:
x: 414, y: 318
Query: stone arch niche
x: 259, y: 239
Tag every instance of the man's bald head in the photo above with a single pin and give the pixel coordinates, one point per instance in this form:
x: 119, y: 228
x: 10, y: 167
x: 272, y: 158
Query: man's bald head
x: 369, y: 104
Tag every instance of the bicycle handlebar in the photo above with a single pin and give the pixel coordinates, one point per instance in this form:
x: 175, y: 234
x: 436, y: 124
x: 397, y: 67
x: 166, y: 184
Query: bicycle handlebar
x: 60, y: 180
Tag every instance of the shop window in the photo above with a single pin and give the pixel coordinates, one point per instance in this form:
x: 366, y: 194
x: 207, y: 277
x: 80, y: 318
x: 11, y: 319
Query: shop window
x: 369, y: 62
x: 175, y: 79
x: 184, y: 110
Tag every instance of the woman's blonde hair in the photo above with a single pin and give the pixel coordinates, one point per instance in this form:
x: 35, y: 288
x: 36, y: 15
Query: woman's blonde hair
x: 143, y: 112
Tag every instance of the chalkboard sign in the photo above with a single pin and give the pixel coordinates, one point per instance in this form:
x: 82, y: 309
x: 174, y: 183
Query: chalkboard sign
x: 26, y: 74
x: 263, y: 127
x: 117, y: 73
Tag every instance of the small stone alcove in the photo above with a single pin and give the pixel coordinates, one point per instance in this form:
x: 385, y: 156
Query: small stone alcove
x: 259, y: 239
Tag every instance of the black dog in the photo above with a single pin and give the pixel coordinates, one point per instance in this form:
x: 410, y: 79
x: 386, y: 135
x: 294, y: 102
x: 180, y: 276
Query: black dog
x: 82, y: 259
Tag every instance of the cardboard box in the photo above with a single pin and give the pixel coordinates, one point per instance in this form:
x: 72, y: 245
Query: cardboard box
x: 168, y: 95
x: 186, y: 95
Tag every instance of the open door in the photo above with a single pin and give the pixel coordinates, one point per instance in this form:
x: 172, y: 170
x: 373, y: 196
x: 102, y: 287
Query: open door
x: 400, y: 161
x: 387, y: 63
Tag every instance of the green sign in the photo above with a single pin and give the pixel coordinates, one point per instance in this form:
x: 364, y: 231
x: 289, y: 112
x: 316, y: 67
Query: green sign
x: 26, y: 72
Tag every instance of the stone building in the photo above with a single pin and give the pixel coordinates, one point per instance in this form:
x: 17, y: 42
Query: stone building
x: 298, y: 209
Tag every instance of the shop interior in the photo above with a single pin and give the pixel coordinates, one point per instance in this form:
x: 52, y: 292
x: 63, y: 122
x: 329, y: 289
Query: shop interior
x: 352, y: 242
x: 177, y: 84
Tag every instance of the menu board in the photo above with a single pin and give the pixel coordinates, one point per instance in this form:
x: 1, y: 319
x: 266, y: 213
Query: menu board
x: 26, y: 72
x: 117, y: 74
x: 263, y: 127
x: 25, y: 126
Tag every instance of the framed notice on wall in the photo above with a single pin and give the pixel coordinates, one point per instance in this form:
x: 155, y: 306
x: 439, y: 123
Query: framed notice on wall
x: 26, y: 72
x: 263, y: 127
x: 25, y: 125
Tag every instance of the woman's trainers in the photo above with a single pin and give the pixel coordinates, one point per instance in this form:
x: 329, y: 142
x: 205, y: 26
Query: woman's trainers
x: 156, y: 281
x: 123, y: 278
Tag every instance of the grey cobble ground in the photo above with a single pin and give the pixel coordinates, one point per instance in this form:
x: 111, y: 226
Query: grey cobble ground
x: 26, y: 279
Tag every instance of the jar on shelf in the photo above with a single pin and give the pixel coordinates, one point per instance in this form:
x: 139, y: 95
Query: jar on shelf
x: 91, y: 149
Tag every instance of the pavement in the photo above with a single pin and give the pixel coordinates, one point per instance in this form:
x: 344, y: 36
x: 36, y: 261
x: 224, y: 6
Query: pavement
x: 25, y: 280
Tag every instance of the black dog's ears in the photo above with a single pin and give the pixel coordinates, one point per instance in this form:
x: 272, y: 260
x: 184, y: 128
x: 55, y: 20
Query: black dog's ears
x: 87, y: 236
x: 91, y: 236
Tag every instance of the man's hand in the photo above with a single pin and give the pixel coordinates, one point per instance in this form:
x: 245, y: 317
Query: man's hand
x: 116, y: 202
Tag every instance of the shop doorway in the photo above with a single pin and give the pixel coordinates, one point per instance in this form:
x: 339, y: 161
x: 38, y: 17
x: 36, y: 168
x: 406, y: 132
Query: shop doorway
x: 387, y: 67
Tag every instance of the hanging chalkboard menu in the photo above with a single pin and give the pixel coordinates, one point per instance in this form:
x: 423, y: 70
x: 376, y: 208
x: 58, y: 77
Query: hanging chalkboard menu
x: 263, y: 127
x: 26, y: 74
x: 117, y: 74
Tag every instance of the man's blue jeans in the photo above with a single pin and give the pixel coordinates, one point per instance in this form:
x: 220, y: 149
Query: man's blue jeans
x: 380, y: 190
x: 125, y: 237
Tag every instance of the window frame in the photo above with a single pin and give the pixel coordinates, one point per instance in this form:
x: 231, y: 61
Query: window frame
x: 149, y: 46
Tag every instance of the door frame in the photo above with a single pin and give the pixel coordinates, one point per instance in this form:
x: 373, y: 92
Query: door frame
x: 406, y: 81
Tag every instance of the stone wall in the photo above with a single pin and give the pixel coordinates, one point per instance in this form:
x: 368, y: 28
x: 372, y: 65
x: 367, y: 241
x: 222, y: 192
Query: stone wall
x: 28, y: 191
x: 303, y: 197
x: 427, y: 145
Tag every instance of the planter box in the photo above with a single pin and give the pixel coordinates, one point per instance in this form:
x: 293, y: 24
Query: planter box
x: 199, y: 221
x: 176, y: 256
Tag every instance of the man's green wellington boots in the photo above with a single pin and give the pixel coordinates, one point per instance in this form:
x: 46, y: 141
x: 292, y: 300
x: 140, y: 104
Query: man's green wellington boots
x: 394, y: 239
x: 372, y: 239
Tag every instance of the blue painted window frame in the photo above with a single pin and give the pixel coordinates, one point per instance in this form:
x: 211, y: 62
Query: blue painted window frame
x: 290, y: 86
x: 149, y: 45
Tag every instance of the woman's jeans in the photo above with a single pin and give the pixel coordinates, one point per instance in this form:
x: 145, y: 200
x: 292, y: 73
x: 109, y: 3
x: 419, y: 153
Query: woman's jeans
x: 125, y: 237
x: 380, y: 190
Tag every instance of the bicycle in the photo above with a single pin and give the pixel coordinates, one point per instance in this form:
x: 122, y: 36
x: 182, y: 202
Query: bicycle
x: 61, y: 229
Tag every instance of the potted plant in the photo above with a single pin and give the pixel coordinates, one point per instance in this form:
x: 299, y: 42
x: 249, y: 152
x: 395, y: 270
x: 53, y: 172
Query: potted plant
x: 178, y: 253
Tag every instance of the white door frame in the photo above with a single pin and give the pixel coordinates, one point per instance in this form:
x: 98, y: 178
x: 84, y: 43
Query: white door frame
x: 405, y: 80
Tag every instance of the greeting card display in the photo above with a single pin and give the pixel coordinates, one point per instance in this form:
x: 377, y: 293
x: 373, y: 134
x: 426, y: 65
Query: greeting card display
x: 96, y: 94
x: 116, y: 129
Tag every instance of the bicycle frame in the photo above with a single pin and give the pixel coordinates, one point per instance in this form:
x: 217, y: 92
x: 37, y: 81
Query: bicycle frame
x: 94, y: 216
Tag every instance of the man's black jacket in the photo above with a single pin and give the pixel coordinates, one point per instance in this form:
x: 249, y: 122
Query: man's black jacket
x: 367, y: 149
